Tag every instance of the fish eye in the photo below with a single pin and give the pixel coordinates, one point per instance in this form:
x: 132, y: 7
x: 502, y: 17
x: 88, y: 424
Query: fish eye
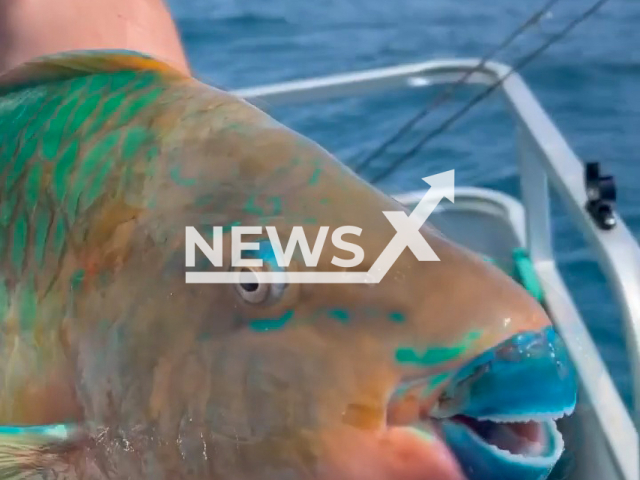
x: 252, y: 290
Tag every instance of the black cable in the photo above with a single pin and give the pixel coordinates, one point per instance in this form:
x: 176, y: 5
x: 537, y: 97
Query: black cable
x: 532, y: 20
x: 447, y: 123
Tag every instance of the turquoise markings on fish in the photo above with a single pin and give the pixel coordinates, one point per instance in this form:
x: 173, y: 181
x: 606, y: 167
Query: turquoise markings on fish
x: 437, y: 354
x: 109, y: 108
x: 116, y: 81
x: 119, y: 88
x: 133, y: 107
x: 6, y: 209
x: 275, y: 203
x: 177, y: 177
x: 32, y: 186
x: 90, y: 99
x: 315, y: 176
x: 228, y: 227
x: 43, y: 123
x: 43, y: 223
x: 91, y: 168
x: 339, y: 314
x: 15, y: 114
x: 132, y: 145
x: 84, y: 110
x: 16, y: 168
x: 76, y: 279
x: 397, y: 317
x: 8, y: 147
x: 63, y: 168
x: 44, y: 113
x: 268, y: 324
x: 54, y: 132
x: 54, y: 116
x: 96, y: 186
x: 59, y: 236
x: 134, y: 138
x: 250, y: 206
x: 19, y: 244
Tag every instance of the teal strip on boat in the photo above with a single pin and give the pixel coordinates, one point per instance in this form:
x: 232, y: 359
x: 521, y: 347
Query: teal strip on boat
x: 525, y: 274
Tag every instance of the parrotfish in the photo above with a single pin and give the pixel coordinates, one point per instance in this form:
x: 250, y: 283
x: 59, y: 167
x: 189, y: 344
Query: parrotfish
x: 114, y: 367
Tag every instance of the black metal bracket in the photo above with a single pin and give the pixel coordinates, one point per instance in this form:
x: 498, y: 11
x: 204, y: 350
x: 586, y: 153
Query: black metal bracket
x: 601, y: 194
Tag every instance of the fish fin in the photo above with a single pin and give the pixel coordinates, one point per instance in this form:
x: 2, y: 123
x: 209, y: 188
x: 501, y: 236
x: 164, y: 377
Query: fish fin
x: 27, y: 449
x: 79, y: 63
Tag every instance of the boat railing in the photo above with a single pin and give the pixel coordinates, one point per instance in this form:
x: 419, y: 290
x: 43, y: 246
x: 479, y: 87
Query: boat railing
x: 545, y: 160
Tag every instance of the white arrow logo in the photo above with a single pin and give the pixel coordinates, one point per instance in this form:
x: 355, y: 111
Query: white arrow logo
x: 407, y: 236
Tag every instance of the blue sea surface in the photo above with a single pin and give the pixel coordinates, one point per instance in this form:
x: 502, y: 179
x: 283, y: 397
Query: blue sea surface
x: 589, y: 83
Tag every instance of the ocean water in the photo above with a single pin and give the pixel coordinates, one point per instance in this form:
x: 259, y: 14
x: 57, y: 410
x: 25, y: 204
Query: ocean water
x: 589, y: 83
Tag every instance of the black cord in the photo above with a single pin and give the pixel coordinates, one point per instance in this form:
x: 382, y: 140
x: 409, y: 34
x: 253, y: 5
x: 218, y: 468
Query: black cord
x: 532, y: 20
x: 526, y: 60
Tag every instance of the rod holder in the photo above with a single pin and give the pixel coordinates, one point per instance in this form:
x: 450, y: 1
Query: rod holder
x: 601, y: 195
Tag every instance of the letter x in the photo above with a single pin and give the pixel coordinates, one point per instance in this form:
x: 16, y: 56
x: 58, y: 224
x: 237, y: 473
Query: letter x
x: 407, y: 235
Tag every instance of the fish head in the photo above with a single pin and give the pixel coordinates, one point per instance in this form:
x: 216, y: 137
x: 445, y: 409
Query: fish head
x: 412, y: 369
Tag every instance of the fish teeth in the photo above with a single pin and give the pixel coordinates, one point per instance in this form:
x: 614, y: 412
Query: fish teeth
x: 556, y: 437
x: 552, y: 448
x: 533, y: 417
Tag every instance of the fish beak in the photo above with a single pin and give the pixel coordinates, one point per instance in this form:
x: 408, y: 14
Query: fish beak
x: 497, y: 414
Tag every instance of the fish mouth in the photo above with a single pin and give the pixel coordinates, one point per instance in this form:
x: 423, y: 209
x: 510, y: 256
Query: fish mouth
x: 497, y: 414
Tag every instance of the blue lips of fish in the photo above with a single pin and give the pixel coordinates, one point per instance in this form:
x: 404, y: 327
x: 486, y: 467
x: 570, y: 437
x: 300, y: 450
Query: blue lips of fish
x: 498, y: 413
